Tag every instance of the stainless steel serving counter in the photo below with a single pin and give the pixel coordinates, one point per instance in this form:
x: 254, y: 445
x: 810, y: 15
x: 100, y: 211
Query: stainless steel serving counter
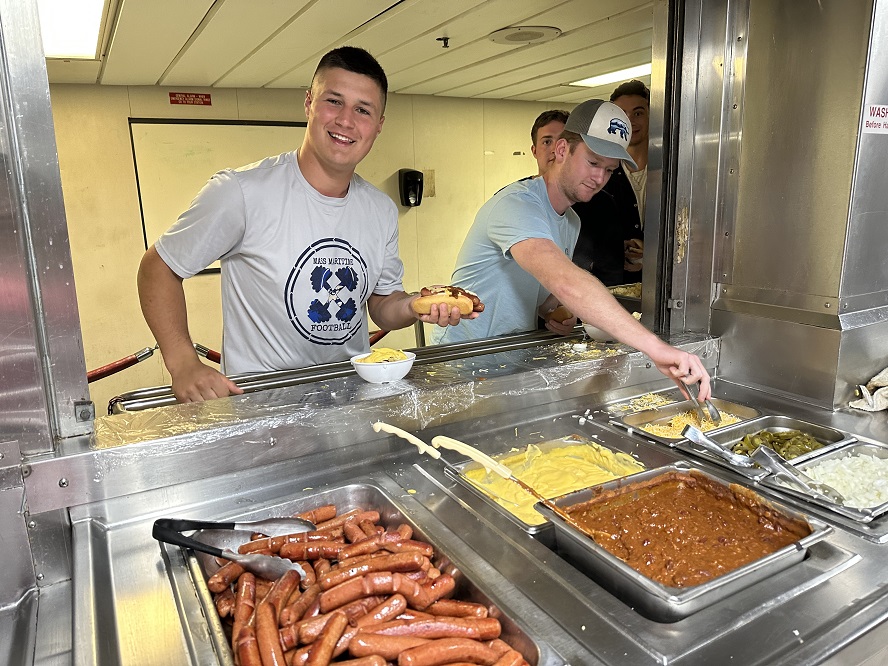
x: 258, y: 455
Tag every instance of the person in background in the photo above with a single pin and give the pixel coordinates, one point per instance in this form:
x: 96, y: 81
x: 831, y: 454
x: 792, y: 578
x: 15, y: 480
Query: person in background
x: 611, y: 242
x: 307, y: 247
x: 543, y: 134
x: 517, y: 252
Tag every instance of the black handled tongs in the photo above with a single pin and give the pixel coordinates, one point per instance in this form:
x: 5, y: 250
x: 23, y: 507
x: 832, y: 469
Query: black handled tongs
x: 269, y: 567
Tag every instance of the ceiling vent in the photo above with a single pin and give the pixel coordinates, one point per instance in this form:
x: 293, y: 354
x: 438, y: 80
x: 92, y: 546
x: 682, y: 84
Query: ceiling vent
x: 524, y: 34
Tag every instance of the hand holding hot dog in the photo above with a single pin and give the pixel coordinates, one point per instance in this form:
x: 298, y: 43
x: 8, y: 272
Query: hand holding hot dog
x: 446, y: 305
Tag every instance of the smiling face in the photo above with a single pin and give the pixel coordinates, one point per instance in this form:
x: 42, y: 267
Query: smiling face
x: 344, y: 112
x: 544, y: 148
x: 638, y: 110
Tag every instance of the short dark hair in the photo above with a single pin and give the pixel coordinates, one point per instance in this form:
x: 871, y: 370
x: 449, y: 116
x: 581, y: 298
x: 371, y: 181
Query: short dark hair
x: 357, y: 60
x: 544, y: 119
x: 633, y: 87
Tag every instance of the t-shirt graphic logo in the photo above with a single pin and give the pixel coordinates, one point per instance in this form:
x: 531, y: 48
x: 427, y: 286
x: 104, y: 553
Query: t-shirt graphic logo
x: 324, y: 290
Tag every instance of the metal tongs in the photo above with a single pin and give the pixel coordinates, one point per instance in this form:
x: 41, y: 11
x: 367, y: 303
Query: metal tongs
x: 776, y: 464
x: 269, y: 567
x: 711, y: 410
x: 699, y: 438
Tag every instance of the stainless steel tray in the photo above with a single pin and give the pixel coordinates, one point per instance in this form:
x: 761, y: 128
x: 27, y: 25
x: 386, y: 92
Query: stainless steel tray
x: 346, y: 498
x: 633, y: 405
x: 728, y: 436
x: 850, y: 448
x: 541, y: 531
x: 633, y: 422
x: 655, y: 600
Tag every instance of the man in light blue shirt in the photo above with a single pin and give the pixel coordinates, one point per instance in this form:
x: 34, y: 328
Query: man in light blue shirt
x: 517, y: 254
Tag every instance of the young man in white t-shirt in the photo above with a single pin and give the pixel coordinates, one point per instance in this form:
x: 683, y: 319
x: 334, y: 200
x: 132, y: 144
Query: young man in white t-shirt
x: 307, y: 247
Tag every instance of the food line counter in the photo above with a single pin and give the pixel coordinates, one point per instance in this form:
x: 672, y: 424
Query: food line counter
x: 134, y: 601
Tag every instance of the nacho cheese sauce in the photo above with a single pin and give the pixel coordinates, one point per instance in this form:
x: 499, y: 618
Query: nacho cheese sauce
x: 682, y: 530
x: 552, y: 473
x: 383, y: 355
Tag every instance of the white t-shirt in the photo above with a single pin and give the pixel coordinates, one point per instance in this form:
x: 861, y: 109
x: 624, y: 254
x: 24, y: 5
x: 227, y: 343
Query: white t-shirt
x: 297, y: 266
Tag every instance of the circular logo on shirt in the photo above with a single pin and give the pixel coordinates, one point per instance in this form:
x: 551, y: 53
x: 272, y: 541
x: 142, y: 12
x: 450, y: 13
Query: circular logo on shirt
x: 325, y: 292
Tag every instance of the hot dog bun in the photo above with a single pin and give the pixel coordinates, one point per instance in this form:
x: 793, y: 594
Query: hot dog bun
x: 560, y: 313
x: 452, y: 297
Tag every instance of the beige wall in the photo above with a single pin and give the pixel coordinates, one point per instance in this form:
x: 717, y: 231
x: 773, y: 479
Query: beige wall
x: 470, y: 144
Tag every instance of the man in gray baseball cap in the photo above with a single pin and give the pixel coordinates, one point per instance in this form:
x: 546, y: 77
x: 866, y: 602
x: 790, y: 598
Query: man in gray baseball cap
x: 604, y: 128
x: 517, y: 254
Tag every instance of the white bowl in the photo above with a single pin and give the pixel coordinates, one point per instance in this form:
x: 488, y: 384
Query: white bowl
x: 597, y: 334
x: 382, y: 373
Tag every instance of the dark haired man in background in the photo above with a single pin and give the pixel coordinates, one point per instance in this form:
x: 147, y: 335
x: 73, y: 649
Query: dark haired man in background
x: 307, y: 247
x: 611, y: 243
x: 543, y: 135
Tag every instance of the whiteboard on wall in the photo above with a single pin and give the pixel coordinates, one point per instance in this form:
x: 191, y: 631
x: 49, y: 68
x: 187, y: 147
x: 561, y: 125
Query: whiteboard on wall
x: 175, y: 158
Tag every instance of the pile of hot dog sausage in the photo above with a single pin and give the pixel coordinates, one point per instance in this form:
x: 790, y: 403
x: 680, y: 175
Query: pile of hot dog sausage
x: 370, y: 597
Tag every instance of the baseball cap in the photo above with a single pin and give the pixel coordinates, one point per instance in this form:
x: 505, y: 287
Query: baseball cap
x: 604, y: 127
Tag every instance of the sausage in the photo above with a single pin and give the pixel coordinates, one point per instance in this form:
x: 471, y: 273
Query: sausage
x: 322, y: 649
x: 244, y: 604
x: 499, y: 646
x: 390, y: 541
x: 321, y: 566
x: 454, y: 608
x: 225, y: 602
x: 381, y: 582
x: 338, y: 521
x: 405, y: 531
x: 510, y: 658
x: 387, y: 647
x: 224, y: 577
x: 300, y: 656
x: 262, y: 588
x: 295, y: 610
x: 305, y: 631
x: 482, y: 629
x: 353, y: 533
x: 274, y: 544
x: 314, y: 609
x: 401, y: 562
x: 310, y: 578
x: 372, y: 660
x: 280, y: 592
x: 434, y: 590
x: 412, y: 614
x: 318, y: 514
x: 312, y: 550
x: 367, y: 527
x: 267, y: 636
x: 447, y: 650
x: 247, y: 648
x: 383, y: 612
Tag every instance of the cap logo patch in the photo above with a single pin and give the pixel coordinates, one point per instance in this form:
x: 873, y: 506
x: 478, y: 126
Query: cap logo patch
x: 617, y: 126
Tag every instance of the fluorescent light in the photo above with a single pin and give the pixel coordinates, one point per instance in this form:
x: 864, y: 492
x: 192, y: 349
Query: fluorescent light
x: 70, y: 28
x: 613, y: 77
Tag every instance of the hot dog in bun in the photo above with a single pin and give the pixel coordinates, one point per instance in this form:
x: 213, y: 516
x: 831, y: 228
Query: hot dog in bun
x: 449, y: 296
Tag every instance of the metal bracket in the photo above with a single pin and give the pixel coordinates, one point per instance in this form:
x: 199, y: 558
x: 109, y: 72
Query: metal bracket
x: 84, y: 410
x: 675, y: 304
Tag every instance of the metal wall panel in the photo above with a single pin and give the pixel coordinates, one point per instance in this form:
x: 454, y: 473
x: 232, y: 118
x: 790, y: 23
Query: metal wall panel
x: 804, y: 78
x: 865, y: 269
x: 45, y: 392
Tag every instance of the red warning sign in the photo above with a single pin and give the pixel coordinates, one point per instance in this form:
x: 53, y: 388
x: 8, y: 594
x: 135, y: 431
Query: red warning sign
x: 194, y: 99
